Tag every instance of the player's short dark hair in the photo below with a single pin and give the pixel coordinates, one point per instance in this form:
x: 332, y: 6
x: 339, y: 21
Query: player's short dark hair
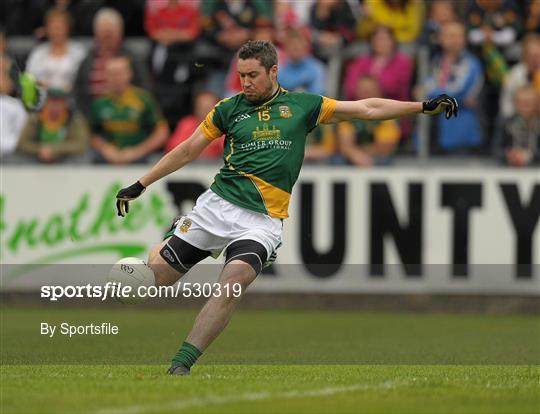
x: 262, y: 50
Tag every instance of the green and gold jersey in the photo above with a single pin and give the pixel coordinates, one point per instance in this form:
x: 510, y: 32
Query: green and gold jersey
x: 264, y: 147
x: 125, y: 121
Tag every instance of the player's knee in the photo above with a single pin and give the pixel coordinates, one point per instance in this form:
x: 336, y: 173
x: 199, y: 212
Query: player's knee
x: 248, y: 252
x: 235, y: 279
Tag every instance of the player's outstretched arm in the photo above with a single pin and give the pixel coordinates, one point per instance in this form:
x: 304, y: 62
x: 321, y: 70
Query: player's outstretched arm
x: 380, y: 109
x: 181, y: 155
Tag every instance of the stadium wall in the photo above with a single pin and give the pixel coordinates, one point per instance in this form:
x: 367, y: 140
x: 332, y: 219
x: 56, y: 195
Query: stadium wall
x: 472, y: 231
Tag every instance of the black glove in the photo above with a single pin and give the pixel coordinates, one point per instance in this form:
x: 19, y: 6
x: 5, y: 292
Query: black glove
x: 441, y: 103
x: 125, y: 195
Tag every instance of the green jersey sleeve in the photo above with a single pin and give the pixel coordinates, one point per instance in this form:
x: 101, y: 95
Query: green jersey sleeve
x: 213, y: 125
x: 319, y: 109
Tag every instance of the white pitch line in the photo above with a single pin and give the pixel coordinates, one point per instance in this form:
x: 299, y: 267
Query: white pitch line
x: 218, y: 400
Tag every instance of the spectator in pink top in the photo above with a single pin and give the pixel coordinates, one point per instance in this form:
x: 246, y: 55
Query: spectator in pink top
x: 390, y: 67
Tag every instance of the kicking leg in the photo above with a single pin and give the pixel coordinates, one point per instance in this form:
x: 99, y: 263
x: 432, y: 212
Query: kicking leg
x: 244, y: 263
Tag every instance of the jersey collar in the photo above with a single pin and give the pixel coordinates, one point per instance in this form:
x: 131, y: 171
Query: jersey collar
x: 273, y: 97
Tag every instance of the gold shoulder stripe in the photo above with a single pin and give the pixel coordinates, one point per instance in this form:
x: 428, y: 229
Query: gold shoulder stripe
x: 208, y: 128
x: 328, y: 108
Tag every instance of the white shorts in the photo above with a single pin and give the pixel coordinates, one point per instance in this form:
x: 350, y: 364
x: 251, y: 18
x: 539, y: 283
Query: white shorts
x: 215, y: 223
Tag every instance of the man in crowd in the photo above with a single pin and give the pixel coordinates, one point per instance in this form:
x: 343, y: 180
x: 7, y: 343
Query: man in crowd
x: 91, y: 81
x: 127, y: 125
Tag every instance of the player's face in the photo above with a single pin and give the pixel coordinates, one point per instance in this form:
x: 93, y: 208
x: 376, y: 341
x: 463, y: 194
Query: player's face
x: 257, y: 83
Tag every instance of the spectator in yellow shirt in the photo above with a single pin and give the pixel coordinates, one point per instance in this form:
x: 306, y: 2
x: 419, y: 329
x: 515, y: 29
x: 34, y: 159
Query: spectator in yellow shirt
x: 367, y: 143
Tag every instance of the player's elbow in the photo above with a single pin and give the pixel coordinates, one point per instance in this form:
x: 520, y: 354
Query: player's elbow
x: 371, y: 115
x: 190, y: 151
x: 367, y: 109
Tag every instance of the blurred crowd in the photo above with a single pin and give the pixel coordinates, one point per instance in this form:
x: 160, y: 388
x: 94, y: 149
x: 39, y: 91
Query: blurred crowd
x: 110, y: 103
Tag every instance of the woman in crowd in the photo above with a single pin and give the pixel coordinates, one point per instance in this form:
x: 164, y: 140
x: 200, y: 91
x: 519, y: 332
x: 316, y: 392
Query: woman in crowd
x: 392, y: 69
x: 55, y: 62
x: 385, y: 62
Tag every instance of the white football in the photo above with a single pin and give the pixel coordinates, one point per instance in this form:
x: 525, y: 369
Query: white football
x: 134, y: 272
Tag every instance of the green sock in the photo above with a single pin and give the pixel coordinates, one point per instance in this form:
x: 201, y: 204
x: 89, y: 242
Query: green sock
x: 187, y: 355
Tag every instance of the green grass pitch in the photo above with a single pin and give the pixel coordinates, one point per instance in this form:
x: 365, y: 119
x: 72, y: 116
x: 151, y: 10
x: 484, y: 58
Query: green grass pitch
x: 273, y: 362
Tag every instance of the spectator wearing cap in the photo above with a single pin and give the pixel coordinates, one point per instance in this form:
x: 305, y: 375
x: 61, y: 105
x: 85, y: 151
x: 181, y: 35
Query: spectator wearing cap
x: 55, y: 62
x: 56, y: 133
x: 127, y: 125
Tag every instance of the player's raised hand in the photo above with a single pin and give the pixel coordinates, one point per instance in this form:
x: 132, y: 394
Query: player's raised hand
x: 441, y: 103
x: 125, y: 195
